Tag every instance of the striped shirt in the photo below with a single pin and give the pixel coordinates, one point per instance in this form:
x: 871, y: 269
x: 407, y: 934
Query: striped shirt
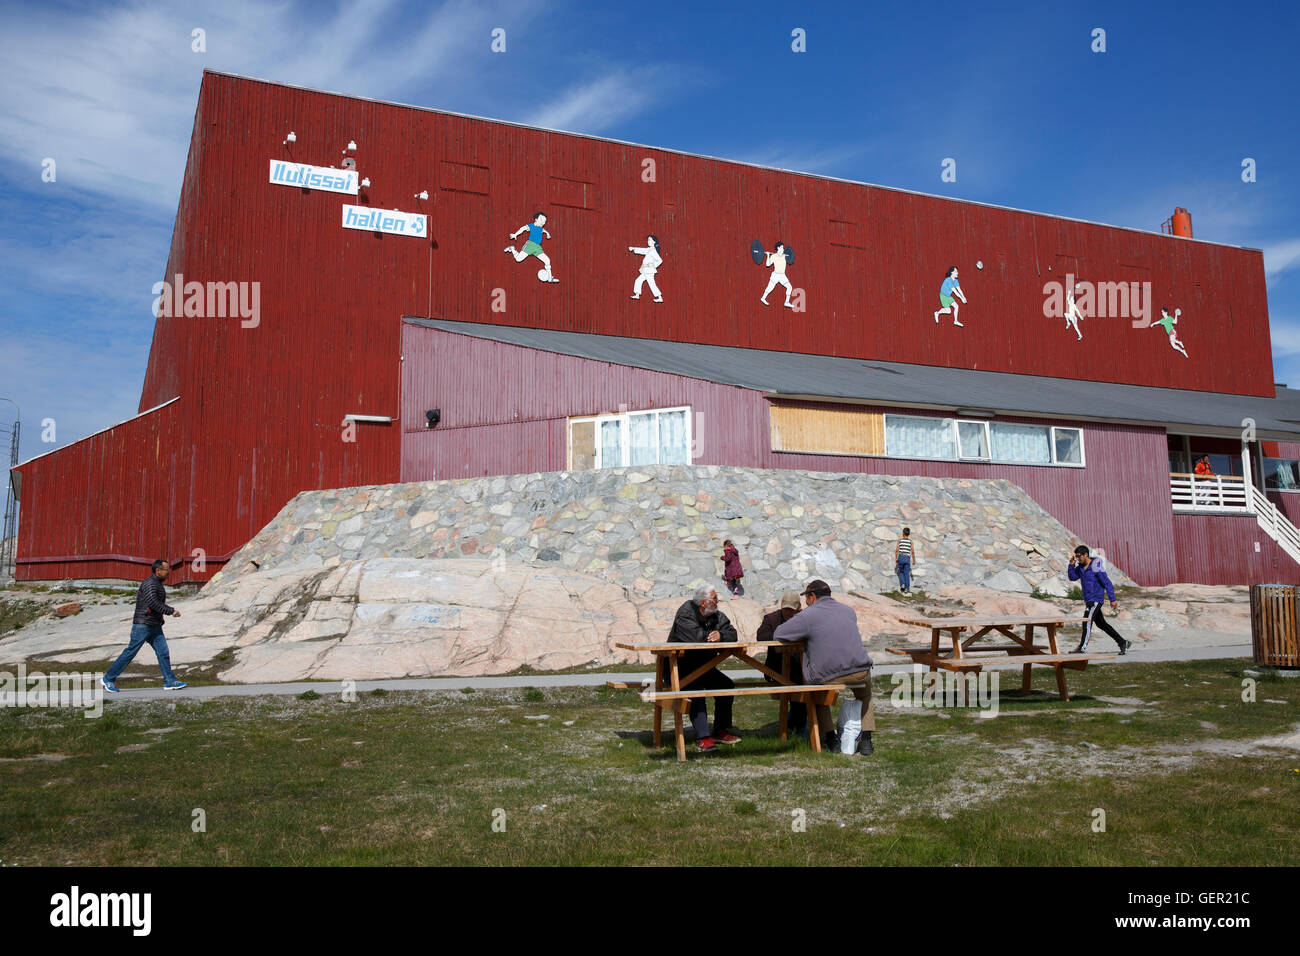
x: 904, y: 547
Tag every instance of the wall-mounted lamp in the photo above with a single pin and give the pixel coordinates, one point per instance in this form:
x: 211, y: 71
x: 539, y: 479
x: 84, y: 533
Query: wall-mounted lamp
x: 975, y: 412
x: 352, y: 144
x: 291, y: 138
x: 422, y: 194
x: 365, y: 183
x: 376, y: 419
x: 432, y: 417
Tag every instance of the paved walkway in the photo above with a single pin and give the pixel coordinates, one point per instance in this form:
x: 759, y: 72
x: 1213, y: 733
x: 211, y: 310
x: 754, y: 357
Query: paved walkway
x: 581, y: 680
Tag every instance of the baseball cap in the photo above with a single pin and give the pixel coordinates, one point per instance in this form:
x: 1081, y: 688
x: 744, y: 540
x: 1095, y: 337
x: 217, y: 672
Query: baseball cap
x: 790, y: 599
x: 818, y: 587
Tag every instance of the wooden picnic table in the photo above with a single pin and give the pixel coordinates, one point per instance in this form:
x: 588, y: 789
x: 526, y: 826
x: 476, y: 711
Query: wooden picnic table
x: 669, y: 683
x: 964, y: 657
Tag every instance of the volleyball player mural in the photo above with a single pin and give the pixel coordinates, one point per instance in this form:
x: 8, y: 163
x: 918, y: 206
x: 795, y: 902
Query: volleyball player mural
x: 1167, y: 322
x: 651, y: 259
x: 949, y: 292
x: 778, y: 259
x: 533, y: 247
x: 1072, y: 315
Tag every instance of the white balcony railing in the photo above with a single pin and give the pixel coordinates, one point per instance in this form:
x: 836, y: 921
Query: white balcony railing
x: 1216, y: 492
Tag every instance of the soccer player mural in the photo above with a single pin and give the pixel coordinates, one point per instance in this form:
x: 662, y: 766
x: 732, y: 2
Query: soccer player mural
x: 1167, y: 322
x: 533, y: 247
x: 947, y: 291
x: 651, y: 259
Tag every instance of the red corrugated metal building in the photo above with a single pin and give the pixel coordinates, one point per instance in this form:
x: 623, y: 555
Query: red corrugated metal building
x: 239, y: 413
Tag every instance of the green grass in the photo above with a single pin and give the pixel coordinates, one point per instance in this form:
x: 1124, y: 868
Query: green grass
x: 415, y: 777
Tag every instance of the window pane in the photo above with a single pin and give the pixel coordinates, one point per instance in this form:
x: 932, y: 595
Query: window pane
x: 908, y: 437
x: 582, y: 446
x: 1069, y: 447
x: 611, y: 443
x: 1281, y: 473
x: 673, y: 447
x: 643, y: 441
x: 973, y: 443
x: 1028, y: 444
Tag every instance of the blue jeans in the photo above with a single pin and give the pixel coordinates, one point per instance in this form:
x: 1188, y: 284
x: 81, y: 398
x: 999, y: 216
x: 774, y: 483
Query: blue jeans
x: 141, y: 634
x: 904, y: 569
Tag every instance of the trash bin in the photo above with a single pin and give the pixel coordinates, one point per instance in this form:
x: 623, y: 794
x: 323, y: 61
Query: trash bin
x: 1273, y: 625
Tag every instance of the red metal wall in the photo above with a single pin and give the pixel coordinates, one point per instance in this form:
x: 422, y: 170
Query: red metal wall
x: 262, y: 407
x: 1220, y: 549
x: 1119, y: 502
x: 140, y: 471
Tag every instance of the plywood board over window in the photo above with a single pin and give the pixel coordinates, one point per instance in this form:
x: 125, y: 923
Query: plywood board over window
x: 827, y: 431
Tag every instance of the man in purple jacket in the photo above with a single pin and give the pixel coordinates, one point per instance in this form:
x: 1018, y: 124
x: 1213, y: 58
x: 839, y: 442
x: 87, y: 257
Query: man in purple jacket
x: 1096, y: 586
x: 833, y: 654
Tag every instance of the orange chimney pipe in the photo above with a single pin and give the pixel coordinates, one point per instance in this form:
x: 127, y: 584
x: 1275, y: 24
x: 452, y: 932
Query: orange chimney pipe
x: 1179, y: 224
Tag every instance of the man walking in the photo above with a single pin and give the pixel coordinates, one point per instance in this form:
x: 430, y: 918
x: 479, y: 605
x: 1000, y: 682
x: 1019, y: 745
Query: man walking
x: 699, y: 621
x: 1096, y: 586
x: 150, y: 606
x: 833, y: 654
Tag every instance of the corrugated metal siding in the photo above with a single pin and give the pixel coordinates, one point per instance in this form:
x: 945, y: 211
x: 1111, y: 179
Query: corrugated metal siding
x: 1220, y: 549
x: 1119, y: 502
x: 504, y: 407
x: 110, y: 494
x: 262, y: 408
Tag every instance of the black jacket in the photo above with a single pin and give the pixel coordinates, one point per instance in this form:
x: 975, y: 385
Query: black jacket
x: 151, y: 602
x: 690, y: 627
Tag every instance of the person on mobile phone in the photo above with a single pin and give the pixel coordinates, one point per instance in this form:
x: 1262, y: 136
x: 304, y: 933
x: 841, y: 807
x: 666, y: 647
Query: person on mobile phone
x: 1096, y: 586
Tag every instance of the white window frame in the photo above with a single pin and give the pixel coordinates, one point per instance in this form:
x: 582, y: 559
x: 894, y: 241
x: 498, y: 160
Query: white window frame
x: 988, y: 439
x: 1083, y: 455
x: 625, y: 448
x: 988, y: 443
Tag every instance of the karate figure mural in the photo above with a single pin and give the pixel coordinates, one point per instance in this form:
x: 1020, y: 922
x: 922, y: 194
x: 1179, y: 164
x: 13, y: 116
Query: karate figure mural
x: 651, y: 259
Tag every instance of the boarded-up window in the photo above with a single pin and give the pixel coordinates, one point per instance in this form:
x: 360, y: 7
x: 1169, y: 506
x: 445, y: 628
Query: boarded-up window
x: 827, y: 431
x: 573, y: 193
x: 582, y: 446
x: 464, y: 178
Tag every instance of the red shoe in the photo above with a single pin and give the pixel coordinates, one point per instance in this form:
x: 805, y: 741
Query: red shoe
x: 727, y: 739
x: 707, y: 744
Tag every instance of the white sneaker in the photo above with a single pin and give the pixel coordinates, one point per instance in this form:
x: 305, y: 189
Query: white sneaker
x: 958, y: 324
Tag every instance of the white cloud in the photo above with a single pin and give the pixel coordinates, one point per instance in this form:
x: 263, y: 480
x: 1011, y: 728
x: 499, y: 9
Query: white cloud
x: 601, y: 103
x: 1279, y: 257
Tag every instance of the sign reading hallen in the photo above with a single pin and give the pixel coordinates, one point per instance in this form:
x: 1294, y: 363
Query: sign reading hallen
x: 314, y: 177
x: 385, y: 220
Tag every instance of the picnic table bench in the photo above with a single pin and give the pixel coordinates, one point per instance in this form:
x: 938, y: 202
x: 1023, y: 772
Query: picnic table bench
x: 667, y: 691
x: 965, y: 657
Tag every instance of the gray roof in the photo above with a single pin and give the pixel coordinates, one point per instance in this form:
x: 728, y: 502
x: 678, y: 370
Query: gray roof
x: 792, y: 374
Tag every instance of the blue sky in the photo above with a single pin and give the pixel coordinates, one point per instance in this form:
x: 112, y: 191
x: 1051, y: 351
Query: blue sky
x: 1012, y: 91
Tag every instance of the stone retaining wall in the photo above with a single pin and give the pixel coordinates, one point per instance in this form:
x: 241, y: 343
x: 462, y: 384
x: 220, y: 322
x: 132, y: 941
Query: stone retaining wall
x: 658, y: 531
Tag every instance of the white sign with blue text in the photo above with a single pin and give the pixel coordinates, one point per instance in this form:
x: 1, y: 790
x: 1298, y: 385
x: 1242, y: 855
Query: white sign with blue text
x: 314, y: 177
x: 385, y: 220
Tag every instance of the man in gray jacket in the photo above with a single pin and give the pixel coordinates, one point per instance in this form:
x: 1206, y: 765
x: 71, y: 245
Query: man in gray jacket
x: 833, y: 654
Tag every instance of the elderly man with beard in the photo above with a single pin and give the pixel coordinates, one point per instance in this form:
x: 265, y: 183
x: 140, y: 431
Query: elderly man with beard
x: 698, y: 621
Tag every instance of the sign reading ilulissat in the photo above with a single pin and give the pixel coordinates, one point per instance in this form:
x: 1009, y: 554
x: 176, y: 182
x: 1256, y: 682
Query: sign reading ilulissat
x: 384, y: 220
x: 314, y: 177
